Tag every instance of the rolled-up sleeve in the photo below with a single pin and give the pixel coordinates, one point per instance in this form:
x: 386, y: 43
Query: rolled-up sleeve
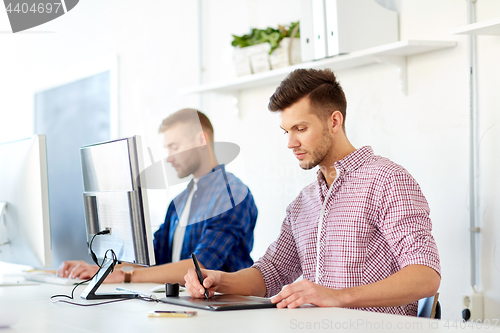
x: 406, y: 224
x: 280, y: 265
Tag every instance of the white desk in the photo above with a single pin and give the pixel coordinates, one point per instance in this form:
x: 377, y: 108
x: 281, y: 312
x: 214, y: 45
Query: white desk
x: 38, y: 314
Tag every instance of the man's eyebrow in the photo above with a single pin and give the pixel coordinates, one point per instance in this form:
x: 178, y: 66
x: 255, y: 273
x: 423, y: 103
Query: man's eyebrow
x: 170, y: 144
x: 296, y: 125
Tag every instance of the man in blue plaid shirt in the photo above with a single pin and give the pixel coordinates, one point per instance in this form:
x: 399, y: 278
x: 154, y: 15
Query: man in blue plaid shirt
x: 214, y: 217
x: 219, y: 225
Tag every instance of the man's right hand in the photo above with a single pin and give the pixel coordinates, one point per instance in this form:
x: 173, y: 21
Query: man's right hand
x: 211, y: 281
x: 77, y: 269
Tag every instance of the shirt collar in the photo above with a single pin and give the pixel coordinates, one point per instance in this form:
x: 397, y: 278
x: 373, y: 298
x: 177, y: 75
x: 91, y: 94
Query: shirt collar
x: 349, y: 163
x: 207, y: 179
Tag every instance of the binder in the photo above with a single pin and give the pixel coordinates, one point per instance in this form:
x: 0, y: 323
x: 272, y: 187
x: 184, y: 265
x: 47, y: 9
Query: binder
x: 312, y: 30
x: 353, y: 25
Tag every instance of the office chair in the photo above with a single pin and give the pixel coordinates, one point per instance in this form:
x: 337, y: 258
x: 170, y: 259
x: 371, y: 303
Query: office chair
x: 429, y: 307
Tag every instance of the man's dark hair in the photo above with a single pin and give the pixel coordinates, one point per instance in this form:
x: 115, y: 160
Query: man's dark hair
x: 188, y: 116
x: 321, y: 86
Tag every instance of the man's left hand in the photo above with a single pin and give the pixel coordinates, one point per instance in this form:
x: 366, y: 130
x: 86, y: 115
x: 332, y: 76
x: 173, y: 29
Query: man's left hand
x: 305, y: 291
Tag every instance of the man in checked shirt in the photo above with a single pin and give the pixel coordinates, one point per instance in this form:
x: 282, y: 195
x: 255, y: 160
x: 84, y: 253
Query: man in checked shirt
x: 360, y: 234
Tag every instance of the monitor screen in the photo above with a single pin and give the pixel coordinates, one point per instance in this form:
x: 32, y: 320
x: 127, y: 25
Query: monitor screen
x: 24, y: 203
x: 115, y: 199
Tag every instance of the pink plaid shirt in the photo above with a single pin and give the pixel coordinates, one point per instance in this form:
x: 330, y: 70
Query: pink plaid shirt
x: 372, y: 222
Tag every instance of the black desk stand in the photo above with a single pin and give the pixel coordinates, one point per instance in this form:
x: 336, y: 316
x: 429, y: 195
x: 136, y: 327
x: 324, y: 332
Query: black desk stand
x: 104, y: 271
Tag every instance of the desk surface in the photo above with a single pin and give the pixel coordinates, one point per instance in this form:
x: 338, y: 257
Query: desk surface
x: 37, y: 314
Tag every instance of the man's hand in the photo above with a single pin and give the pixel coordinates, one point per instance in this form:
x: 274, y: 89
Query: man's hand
x: 77, y: 269
x: 211, y: 282
x: 305, y: 291
x: 74, y: 269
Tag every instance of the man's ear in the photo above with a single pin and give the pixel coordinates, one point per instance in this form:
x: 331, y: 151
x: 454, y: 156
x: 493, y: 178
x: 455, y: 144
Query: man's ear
x: 202, y: 138
x: 336, y: 120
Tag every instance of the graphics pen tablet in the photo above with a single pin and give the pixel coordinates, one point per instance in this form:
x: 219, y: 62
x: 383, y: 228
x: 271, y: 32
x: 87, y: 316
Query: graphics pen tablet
x: 221, y: 302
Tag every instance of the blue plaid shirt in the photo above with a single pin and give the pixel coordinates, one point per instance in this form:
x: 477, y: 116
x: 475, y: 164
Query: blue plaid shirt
x: 220, y: 223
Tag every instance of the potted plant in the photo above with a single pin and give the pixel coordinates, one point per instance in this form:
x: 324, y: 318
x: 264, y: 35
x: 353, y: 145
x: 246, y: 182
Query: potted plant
x: 263, y: 49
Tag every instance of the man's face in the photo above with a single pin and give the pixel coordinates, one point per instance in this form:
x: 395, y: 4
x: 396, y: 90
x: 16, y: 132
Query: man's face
x: 180, y: 140
x: 308, y: 135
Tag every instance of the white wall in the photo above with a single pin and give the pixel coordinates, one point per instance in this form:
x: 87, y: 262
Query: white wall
x: 489, y: 181
x: 426, y: 131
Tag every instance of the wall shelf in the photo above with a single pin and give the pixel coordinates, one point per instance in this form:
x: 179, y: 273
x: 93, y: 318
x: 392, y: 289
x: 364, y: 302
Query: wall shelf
x: 394, y: 54
x: 491, y: 27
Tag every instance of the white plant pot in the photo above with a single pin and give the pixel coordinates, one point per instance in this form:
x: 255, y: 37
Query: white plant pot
x: 283, y: 56
x: 241, y: 62
x: 259, y: 57
x: 252, y: 59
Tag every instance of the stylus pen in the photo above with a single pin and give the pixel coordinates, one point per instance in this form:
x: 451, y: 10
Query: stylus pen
x: 198, y: 272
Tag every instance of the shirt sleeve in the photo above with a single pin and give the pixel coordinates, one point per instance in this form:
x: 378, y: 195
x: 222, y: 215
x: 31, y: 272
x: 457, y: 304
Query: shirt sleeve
x: 405, y: 222
x: 222, y: 233
x: 280, y: 265
x: 161, y: 238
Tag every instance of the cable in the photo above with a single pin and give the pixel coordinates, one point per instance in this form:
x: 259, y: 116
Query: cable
x: 94, y: 258
x: 92, y: 254
x: 73, y: 291
x: 82, y: 282
x: 142, y: 298
x: 94, y: 304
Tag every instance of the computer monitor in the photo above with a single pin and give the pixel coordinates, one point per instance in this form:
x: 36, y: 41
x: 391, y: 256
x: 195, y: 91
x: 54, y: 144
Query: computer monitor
x: 24, y: 203
x: 115, y: 199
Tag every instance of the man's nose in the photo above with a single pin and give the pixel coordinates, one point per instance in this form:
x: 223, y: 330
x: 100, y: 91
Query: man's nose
x: 292, y: 142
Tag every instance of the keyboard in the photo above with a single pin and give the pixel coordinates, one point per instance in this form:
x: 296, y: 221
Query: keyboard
x: 15, y: 281
x: 50, y: 278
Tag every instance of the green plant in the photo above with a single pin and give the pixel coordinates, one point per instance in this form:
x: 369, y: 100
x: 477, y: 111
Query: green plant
x: 269, y: 35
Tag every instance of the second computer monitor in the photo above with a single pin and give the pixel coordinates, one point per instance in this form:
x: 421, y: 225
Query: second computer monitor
x: 115, y: 199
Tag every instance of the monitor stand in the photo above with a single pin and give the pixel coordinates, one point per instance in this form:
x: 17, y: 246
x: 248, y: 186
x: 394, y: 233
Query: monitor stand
x: 89, y: 292
x: 3, y: 205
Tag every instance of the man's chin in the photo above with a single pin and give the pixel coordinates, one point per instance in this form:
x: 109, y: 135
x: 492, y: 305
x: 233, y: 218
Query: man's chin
x: 182, y: 175
x: 307, y: 165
